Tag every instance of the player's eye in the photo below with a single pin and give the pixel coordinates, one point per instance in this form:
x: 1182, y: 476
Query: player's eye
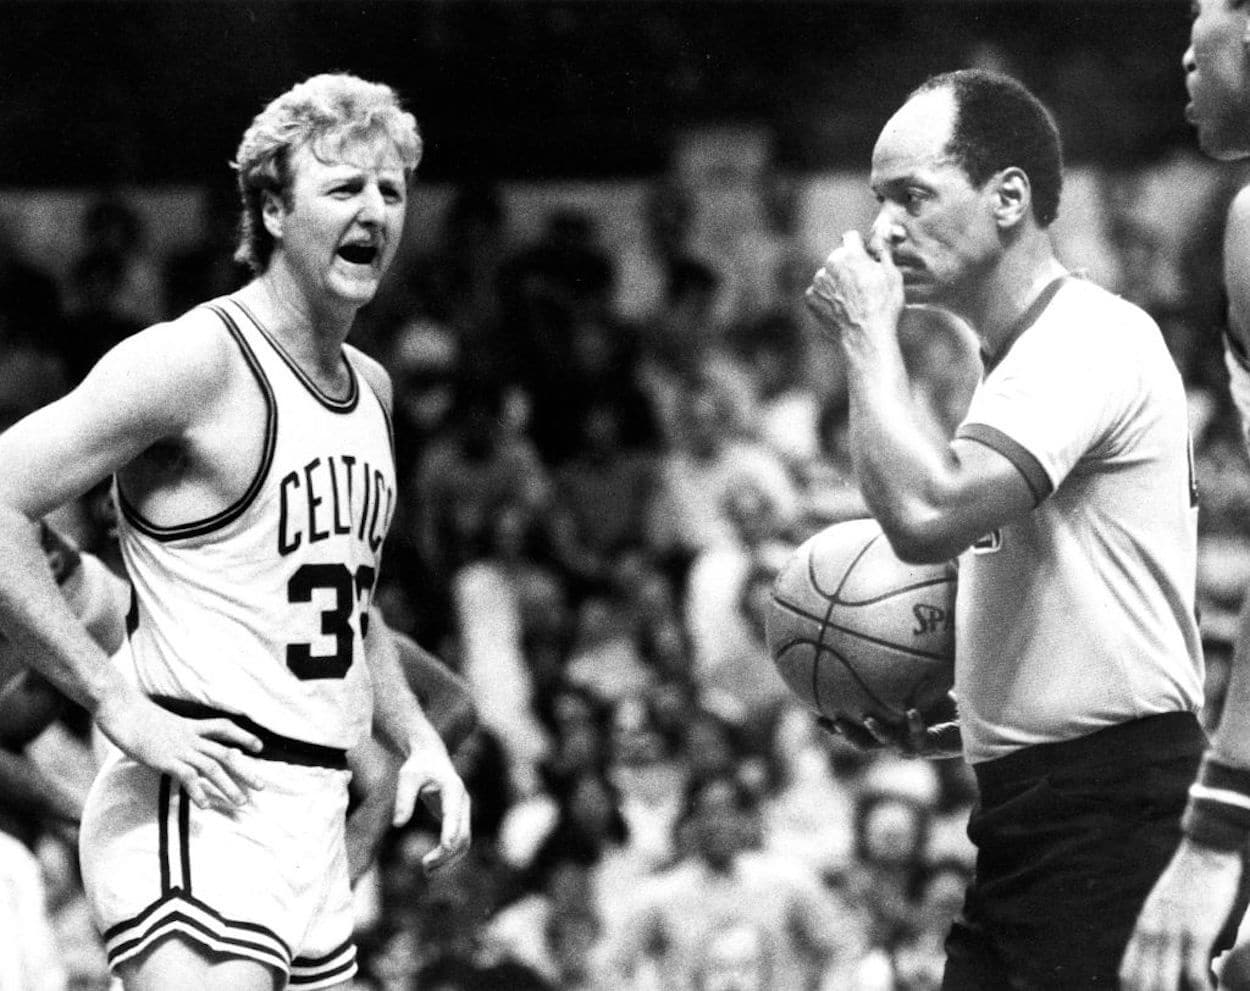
x: 914, y: 199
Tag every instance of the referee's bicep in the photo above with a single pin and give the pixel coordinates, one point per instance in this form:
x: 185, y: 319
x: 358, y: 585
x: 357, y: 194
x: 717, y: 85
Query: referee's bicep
x: 980, y: 490
x: 999, y: 482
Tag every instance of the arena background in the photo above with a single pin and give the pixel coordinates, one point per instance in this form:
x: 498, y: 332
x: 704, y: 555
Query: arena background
x: 150, y: 95
x: 568, y: 121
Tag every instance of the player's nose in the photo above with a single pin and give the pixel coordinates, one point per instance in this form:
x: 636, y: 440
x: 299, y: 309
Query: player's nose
x: 372, y: 208
x: 885, y: 229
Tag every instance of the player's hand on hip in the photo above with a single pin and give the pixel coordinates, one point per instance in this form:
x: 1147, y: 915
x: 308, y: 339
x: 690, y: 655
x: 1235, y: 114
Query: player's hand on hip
x: 1170, y: 948
x: 206, y: 756
x: 858, y: 291
x: 433, y: 779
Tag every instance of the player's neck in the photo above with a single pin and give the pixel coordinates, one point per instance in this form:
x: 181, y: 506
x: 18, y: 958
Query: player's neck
x: 1005, y: 298
x: 313, y: 335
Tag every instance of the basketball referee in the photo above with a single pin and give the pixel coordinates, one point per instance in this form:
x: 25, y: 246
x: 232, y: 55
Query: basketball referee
x: 1067, y: 494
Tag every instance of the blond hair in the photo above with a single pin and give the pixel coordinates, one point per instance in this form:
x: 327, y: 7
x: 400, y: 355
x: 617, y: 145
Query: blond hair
x: 321, y: 113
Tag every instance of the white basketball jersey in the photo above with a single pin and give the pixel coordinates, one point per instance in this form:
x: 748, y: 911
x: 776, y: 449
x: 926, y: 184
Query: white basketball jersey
x: 261, y: 608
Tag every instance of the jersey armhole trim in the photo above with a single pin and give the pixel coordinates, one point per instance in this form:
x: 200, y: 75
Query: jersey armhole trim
x: 386, y: 413
x: 232, y: 512
x: 1021, y: 457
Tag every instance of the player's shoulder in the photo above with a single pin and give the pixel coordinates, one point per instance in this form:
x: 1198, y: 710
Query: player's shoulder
x: 1237, y: 228
x: 1098, y: 319
x: 373, y: 372
x: 1239, y: 206
x: 196, y: 342
x: 1082, y: 291
x: 183, y: 360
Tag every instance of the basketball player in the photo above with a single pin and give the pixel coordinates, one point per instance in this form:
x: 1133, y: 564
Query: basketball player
x: 1190, y: 904
x: 255, y: 482
x: 1067, y: 496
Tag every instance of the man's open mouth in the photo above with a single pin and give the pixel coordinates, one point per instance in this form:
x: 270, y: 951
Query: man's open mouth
x: 358, y: 254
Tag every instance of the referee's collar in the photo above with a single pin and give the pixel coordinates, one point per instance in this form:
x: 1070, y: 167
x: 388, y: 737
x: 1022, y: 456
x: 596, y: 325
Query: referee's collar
x: 1024, y: 322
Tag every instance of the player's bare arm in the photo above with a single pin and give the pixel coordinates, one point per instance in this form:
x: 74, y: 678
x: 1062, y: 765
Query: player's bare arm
x: 445, y: 699
x: 444, y: 696
x: 155, y: 389
x: 1236, y: 273
x: 427, y: 771
x: 933, y: 500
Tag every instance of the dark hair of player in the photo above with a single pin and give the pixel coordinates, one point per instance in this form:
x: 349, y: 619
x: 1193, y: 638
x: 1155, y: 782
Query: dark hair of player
x: 1000, y: 124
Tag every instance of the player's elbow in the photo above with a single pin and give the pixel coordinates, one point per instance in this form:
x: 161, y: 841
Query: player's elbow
x: 921, y: 539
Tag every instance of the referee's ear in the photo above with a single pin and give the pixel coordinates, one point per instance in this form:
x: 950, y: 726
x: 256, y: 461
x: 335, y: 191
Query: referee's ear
x: 1013, y: 196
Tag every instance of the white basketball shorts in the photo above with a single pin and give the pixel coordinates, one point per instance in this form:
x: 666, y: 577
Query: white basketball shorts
x: 267, y: 881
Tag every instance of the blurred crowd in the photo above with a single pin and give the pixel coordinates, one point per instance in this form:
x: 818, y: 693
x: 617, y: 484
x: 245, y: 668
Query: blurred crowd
x: 604, y: 458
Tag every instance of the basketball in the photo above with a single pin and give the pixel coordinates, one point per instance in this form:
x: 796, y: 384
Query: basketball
x: 856, y: 632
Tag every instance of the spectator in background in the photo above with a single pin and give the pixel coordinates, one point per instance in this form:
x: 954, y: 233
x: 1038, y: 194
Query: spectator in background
x: 728, y: 916
x: 682, y: 342
x: 786, y: 405
x: 520, y: 931
x: 486, y: 596
x: 466, y: 474
x: 206, y: 268
x: 455, y: 283
x: 426, y: 362
x: 602, y: 493
x: 30, y: 302
x: 605, y: 656
x: 651, y: 595
x: 30, y: 960
x: 99, y: 318
x: 919, y: 956
x: 887, y: 874
x: 705, y: 464
x: 810, y: 808
x: 115, y: 285
x: 113, y: 229
x: 667, y: 212
x: 726, y: 595
x: 648, y: 769
x: 545, y: 290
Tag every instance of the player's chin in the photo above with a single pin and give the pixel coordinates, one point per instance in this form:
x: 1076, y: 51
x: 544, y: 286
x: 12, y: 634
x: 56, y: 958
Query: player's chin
x: 356, y: 287
x: 1222, y: 147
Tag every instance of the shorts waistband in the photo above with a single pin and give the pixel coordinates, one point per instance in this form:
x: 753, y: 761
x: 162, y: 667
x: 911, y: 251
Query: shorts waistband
x: 1149, y: 739
x: 275, y: 746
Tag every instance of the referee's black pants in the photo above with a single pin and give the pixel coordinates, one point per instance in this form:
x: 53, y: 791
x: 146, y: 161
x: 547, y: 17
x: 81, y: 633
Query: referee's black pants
x: 1070, y: 839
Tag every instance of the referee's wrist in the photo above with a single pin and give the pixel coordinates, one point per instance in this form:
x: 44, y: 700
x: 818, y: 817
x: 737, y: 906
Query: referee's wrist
x: 1217, y: 814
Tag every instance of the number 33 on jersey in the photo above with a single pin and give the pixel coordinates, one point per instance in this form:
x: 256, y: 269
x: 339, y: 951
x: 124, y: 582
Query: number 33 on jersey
x: 267, y: 612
